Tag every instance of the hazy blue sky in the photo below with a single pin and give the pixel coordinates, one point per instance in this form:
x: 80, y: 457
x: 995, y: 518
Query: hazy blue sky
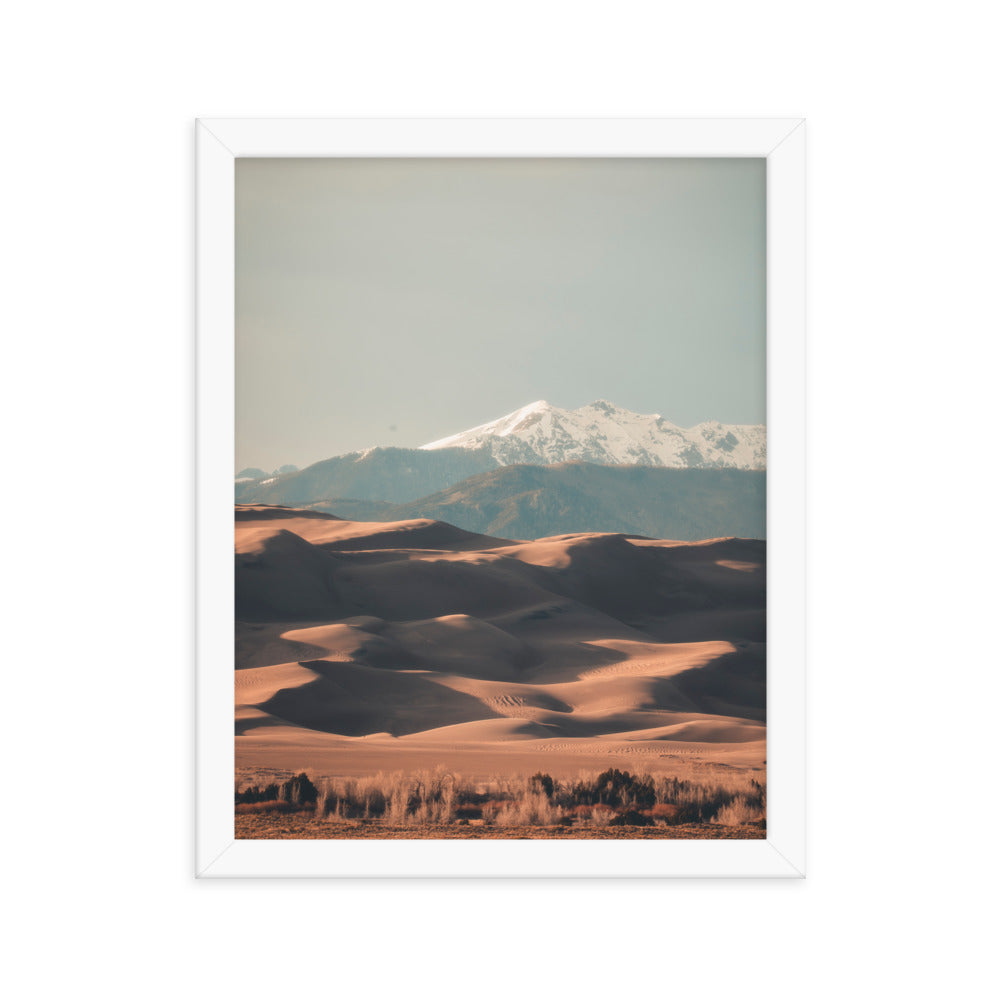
x: 396, y: 301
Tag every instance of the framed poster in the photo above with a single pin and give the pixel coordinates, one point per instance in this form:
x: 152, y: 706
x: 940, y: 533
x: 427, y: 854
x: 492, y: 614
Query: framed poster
x: 515, y: 409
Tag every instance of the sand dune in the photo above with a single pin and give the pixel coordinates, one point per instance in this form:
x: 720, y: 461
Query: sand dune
x: 331, y: 532
x: 398, y: 643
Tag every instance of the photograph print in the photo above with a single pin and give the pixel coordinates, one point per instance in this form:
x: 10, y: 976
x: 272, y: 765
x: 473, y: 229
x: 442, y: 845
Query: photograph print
x: 500, y: 498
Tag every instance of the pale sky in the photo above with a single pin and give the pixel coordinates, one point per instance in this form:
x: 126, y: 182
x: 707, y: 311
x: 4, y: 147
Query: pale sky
x: 397, y: 301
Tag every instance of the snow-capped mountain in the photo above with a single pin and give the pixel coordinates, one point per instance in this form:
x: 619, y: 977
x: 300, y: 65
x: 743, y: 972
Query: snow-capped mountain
x: 605, y: 434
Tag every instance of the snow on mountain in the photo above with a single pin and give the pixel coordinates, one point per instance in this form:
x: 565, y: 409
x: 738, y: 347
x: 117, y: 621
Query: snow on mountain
x: 542, y: 434
x: 250, y: 474
x: 255, y: 475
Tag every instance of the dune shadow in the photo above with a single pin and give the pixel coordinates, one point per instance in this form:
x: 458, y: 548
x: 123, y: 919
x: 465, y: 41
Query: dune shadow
x: 350, y: 699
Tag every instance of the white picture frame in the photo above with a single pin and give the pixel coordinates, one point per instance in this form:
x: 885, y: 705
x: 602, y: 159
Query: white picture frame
x: 782, y: 142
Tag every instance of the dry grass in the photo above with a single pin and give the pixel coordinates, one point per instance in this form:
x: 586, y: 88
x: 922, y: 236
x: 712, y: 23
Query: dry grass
x: 280, y: 806
x: 440, y: 803
x: 739, y: 811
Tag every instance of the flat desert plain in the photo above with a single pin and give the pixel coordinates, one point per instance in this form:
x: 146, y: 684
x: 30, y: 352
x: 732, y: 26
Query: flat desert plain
x: 415, y: 646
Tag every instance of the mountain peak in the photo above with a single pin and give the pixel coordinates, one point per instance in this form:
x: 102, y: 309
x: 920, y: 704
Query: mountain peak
x: 607, y: 434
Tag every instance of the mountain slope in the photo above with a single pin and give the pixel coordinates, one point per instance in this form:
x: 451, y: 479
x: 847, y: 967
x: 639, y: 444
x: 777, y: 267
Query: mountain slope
x: 521, y: 501
x: 542, y: 434
x: 389, y: 474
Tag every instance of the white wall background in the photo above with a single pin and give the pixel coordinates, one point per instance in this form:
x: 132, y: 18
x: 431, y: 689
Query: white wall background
x: 97, y: 185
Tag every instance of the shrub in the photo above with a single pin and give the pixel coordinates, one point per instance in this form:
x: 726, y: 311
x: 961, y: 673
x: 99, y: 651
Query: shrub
x: 254, y: 793
x: 631, y: 818
x: 620, y: 788
x: 542, y: 783
x: 297, y: 791
x: 663, y: 810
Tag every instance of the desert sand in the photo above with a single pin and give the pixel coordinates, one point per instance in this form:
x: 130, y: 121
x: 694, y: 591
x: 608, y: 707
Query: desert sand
x: 365, y: 647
